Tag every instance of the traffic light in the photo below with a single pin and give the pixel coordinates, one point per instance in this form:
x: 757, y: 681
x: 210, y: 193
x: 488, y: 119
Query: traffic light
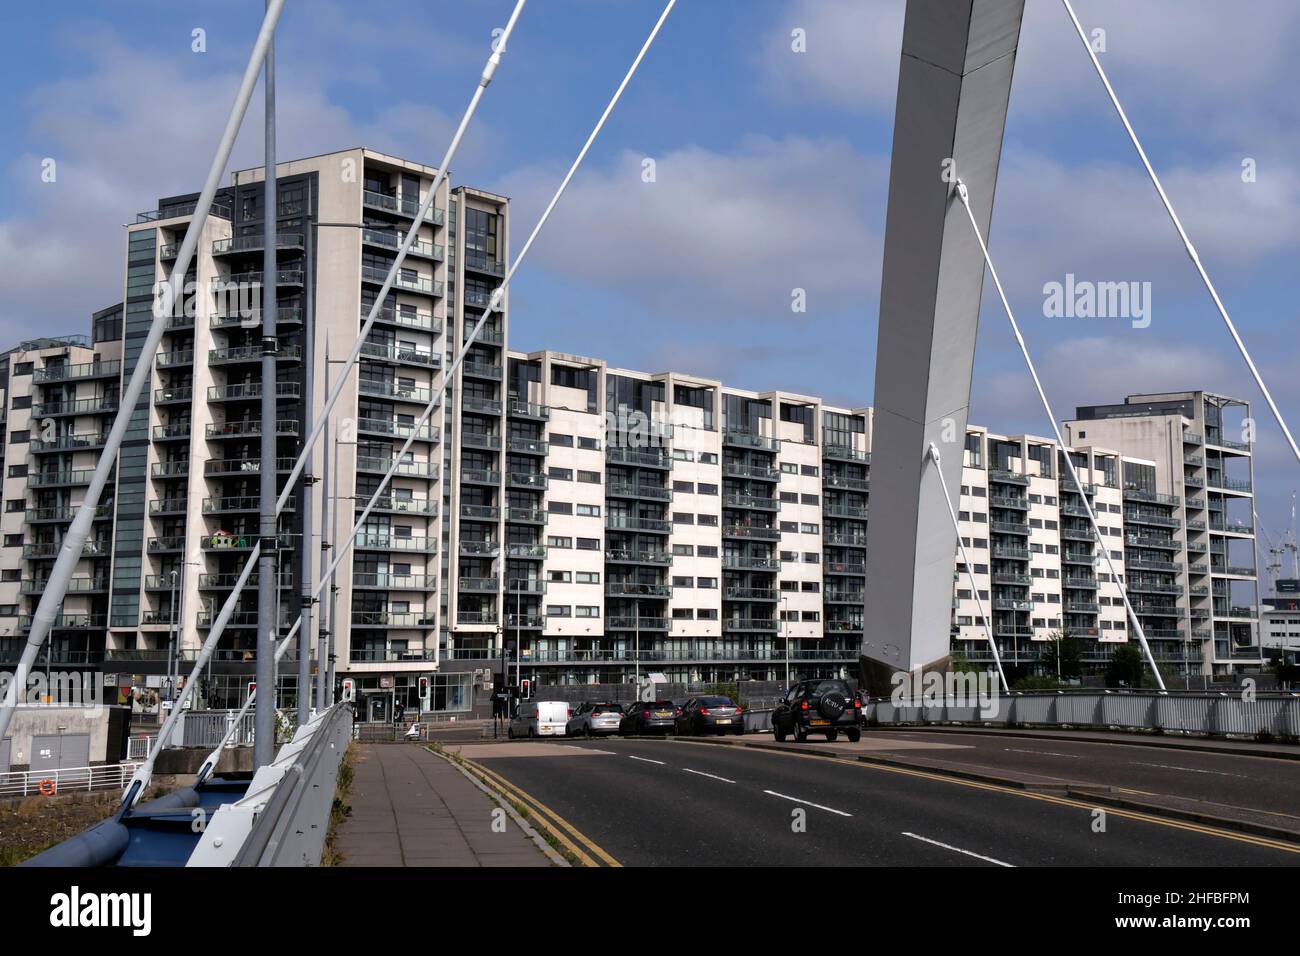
x: 424, y: 688
x: 525, y: 689
x: 349, y: 688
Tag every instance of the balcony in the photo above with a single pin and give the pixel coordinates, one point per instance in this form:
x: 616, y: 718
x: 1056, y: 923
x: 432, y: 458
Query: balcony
x: 391, y: 504
x: 1012, y: 578
x: 255, y: 242
x: 422, y: 285
x: 392, y: 241
x: 224, y: 582
x: 381, y: 541
x: 1015, y: 502
x: 520, y: 409
x: 480, y: 476
x: 427, y: 470
x: 636, y: 623
x: 41, y: 550
x: 406, y: 319
x: 77, y: 585
x: 492, y: 267
x: 249, y: 429
x: 843, y: 596
x: 753, y: 532
x: 478, y: 585
x: 170, y: 469
x: 526, y: 479
x: 1150, y: 517
x: 846, y: 484
x: 178, y: 358
x: 528, y: 446
x: 81, y: 406
x: 750, y: 501
x: 401, y: 354
x: 748, y: 440
x: 751, y: 625
x: 490, y: 513
x: 1010, y: 527
x: 1008, y: 477
x: 169, y: 506
x: 233, y: 318
x: 397, y: 429
x: 66, y: 513
x: 391, y: 389
x: 481, y: 406
x: 754, y: 472
x: 1147, y: 541
x: 221, y: 467
x: 384, y: 580
x: 68, y: 622
x: 64, y: 443
x: 252, y: 391
x: 486, y: 370
x: 1082, y: 607
x: 484, y: 440
x: 481, y: 548
x: 486, y: 617
x: 615, y: 522
x: 637, y: 589
x: 639, y: 490
x: 531, y: 552
x: 743, y: 562
x: 74, y: 373
x: 56, y: 479
x: 401, y: 205
x: 1012, y: 604
x: 1081, y: 583
x: 394, y: 619
x: 245, y: 354
x: 846, y: 453
x: 178, y: 395
x: 238, y: 504
x: 638, y: 556
x: 175, y: 542
x: 638, y: 457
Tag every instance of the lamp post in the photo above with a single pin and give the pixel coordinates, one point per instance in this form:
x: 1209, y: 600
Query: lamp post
x: 785, y: 637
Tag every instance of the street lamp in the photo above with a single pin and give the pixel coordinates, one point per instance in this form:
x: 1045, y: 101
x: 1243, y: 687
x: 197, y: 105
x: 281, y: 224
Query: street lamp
x: 785, y: 637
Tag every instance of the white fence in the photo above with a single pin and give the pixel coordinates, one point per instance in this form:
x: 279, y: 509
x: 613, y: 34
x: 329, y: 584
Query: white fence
x: 1213, y: 714
x: 68, y: 780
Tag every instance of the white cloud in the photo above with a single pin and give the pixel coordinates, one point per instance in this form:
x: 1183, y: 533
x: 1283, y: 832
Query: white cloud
x: 734, y: 230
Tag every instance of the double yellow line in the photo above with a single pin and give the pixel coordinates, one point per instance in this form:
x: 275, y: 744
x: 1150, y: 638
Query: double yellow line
x: 582, y: 847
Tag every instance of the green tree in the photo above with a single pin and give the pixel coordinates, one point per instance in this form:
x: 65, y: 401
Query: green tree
x: 1062, y: 657
x: 1125, y: 667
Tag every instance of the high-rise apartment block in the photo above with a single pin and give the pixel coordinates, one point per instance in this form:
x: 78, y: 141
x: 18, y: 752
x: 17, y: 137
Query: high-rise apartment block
x: 589, y: 522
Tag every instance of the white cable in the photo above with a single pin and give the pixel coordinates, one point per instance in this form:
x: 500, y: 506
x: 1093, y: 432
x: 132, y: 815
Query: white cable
x: 1187, y: 242
x: 933, y: 455
x: 963, y: 194
x: 494, y: 304
x: 145, y: 771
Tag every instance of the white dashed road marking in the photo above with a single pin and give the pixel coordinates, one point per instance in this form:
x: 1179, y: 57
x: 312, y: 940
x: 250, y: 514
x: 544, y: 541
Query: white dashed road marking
x: 808, y: 803
x: 957, y: 849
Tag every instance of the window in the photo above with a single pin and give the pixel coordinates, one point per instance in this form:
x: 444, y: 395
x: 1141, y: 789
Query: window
x: 592, y: 444
x: 590, y: 477
x: 560, y: 474
x: 17, y: 471
x: 789, y: 527
x: 587, y: 577
x: 812, y: 557
x: 22, y: 401
x: 13, y: 541
x: 789, y: 468
x: 708, y: 521
x: 586, y: 610
x: 588, y: 544
x: 811, y: 471
x: 23, y: 368
x: 706, y: 582
x: 707, y: 614
x: 810, y: 528
x: 708, y: 458
x: 682, y: 517
x: 559, y: 507
x: 564, y: 441
x: 683, y: 581
x: 789, y: 498
x: 683, y: 454
x: 683, y: 614
x: 708, y: 551
x: 559, y: 577
x: 11, y: 574
x: 555, y: 541
x: 15, y: 504
x: 589, y: 511
x: 559, y: 610
x: 687, y: 487
x: 704, y: 489
x: 683, y: 550
x: 809, y: 587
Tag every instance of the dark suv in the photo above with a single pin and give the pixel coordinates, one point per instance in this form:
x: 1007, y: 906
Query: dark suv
x: 816, y: 707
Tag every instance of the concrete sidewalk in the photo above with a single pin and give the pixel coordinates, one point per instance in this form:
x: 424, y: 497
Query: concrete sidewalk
x: 413, y: 808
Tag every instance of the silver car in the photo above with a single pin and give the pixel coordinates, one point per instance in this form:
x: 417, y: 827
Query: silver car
x: 595, y: 717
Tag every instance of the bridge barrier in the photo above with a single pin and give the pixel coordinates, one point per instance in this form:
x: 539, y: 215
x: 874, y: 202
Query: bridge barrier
x: 1213, y: 714
x: 284, y: 817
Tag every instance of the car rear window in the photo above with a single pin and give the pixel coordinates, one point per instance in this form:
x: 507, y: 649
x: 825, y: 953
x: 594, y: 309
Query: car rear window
x: 832, y: 687
x: 616, y: 708
x: 716, y: 701
x: 660, y: 704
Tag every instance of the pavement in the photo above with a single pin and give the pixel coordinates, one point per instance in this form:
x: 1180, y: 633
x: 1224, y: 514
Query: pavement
x: 411, y: 807
x: 681, y: 803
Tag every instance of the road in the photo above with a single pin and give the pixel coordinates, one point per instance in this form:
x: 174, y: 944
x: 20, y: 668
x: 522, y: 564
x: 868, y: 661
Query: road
x: 680, y: 803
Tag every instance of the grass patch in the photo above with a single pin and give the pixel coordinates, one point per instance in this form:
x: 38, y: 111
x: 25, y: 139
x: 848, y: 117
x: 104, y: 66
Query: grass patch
x: 340, y: 809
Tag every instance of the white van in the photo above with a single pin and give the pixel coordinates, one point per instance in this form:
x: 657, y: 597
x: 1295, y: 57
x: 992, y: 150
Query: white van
x: 539, y: 718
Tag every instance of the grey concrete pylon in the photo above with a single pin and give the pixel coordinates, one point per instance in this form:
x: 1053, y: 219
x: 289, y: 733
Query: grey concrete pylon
x: 954, y: 80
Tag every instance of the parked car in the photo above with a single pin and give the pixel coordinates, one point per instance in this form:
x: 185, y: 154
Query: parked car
x: 711, y: 715
x: 595, y: 717
x: 818, y: 706
x: 650, y: 717
x: 539, y: 718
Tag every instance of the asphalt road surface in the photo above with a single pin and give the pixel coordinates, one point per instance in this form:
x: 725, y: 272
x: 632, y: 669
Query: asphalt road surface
x: 669, y: 803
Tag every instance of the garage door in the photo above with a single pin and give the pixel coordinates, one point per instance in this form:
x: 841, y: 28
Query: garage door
x: 60, y: 751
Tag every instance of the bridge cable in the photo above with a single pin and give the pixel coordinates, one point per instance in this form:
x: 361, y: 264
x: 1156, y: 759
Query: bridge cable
x: 143, y: 774
x: 932, y: 456
x: 1187, y: 242
x: 498, y: 295
x: 1100, y: 540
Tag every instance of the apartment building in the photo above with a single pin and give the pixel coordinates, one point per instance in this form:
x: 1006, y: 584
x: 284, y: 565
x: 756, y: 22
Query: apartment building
x: 1189, y: 514
x: 587, y: 522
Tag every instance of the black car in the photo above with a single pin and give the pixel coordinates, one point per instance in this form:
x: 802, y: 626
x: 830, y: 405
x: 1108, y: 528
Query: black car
x: 816, y: 707
x: 650, y: 717
x: 711, y: 715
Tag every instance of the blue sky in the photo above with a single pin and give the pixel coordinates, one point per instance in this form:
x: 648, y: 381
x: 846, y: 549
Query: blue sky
x: 771, y: 170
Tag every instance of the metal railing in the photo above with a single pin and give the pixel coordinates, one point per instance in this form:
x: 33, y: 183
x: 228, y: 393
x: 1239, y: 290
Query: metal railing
x: 22, y: 783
